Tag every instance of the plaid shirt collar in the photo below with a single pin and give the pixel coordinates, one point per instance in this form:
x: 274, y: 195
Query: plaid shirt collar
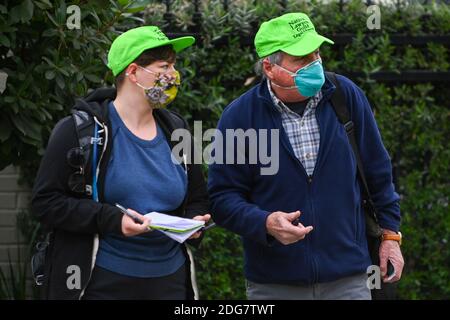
x: 281, y: 107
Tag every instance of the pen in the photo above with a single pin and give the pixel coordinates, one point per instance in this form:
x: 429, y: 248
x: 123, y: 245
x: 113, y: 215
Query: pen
x: 211, y: 225
x: 128, y: 213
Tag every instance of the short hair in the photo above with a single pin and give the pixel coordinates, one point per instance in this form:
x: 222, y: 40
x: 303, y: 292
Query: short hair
x: 165, y: 53
x: 274, y: 58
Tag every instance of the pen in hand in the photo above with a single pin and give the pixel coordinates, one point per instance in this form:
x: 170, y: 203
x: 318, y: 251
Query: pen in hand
x: 128, y: 213
x: 211, y: 225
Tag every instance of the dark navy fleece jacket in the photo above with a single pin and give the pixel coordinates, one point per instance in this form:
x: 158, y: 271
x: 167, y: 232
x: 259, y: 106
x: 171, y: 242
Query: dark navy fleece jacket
x: 330, y: 199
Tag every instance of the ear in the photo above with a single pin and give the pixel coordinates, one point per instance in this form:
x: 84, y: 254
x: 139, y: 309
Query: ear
x: 130, y: 72
x: 267, y: 68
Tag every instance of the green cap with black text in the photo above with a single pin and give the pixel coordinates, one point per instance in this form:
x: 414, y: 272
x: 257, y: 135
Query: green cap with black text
x: 130, y: 44
x: 293, y: 33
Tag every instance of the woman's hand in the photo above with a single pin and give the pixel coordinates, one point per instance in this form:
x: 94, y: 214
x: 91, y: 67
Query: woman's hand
x: 131, y: 228
x: 205, y: 218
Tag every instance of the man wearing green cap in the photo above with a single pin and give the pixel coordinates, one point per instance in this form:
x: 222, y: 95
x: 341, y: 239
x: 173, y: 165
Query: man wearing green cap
x: 303, y: 227
x: 116, y: 149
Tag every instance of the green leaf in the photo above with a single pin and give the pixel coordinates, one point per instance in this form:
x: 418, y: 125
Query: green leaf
x: 52, y: 19
x: 19, y: 124
x: 61, y: 13
x: 4, y: 41
x: 55, y: 106
x: 50, y: 62
x: 93, y: 78
x: 46, y: 114
x: 76, y: 44
x: 60, y: 81
x: 79, y: 76
x: 43, y: 4
x: 135, y: 9
x: 15, y: 108
x: 27, y: 9
x: 31, y: 105
x: 5, y: 130
x: 10, y: 99
x: 63, y: 71
x: 50, y: 32
x: 136, y: 6
x: 97, y: 19
x: 15, y: 14
x: 30, y: 141
x: 27, y: 126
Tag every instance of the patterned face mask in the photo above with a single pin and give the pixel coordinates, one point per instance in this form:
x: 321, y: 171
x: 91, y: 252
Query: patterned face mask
x: 164, y: 91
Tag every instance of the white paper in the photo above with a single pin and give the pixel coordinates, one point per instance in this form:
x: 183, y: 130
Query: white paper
x: 182, y: 228
x: 179, y: 237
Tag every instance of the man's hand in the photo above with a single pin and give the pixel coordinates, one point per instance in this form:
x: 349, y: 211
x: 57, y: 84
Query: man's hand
x: 390, y: 250
x: 279, y: 225
x: 131, y: 228
x: 205, y: 218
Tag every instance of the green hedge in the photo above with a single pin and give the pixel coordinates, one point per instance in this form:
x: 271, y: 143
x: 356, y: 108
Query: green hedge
x: 413, y: 118
x: 48, y: 65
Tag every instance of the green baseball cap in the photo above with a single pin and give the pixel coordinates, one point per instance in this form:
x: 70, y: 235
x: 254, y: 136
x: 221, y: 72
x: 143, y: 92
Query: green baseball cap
x: 130, y: 44
x: 292, y: 33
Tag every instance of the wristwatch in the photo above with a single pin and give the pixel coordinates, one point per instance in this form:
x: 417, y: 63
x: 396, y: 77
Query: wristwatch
x: 396, y: 237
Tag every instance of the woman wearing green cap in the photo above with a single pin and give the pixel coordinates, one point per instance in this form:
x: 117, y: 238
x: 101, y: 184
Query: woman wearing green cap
x: 116, y: 149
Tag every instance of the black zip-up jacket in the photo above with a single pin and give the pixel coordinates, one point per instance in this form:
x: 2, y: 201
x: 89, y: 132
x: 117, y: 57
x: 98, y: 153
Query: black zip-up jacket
x: 77, y: 222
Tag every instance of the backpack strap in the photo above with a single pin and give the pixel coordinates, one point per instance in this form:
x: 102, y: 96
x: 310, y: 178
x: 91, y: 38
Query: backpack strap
x: 339, y: 104
x: 85, y: 128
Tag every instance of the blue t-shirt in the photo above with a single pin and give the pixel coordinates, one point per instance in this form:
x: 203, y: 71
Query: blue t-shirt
x: 142, y: 176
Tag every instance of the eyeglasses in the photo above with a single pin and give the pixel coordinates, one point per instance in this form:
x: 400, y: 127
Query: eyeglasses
x: 167, y: 74
x: 76, y: 159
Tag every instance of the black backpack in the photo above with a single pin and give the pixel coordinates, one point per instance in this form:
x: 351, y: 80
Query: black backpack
x: 87, y: 134
x: 373, y: 229
x: 90, y: 138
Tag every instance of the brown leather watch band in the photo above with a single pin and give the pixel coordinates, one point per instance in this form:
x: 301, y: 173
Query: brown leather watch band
x: 394, y: 237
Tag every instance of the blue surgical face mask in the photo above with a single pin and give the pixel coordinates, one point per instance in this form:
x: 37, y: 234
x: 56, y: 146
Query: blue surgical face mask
x: 308, y: 79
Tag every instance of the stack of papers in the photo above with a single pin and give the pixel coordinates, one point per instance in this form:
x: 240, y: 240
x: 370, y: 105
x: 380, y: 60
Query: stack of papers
x: 177, y: 228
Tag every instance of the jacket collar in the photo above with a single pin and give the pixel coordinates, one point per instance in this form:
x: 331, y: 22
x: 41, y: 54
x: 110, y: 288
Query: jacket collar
x: 96, y: 103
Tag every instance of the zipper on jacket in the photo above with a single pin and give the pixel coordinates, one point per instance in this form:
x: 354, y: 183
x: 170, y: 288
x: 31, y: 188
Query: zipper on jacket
x: 314, y: 266
x: 96, y: 239
x: 320, y: 151
x: 313, y: 258
x: 309, y: 179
